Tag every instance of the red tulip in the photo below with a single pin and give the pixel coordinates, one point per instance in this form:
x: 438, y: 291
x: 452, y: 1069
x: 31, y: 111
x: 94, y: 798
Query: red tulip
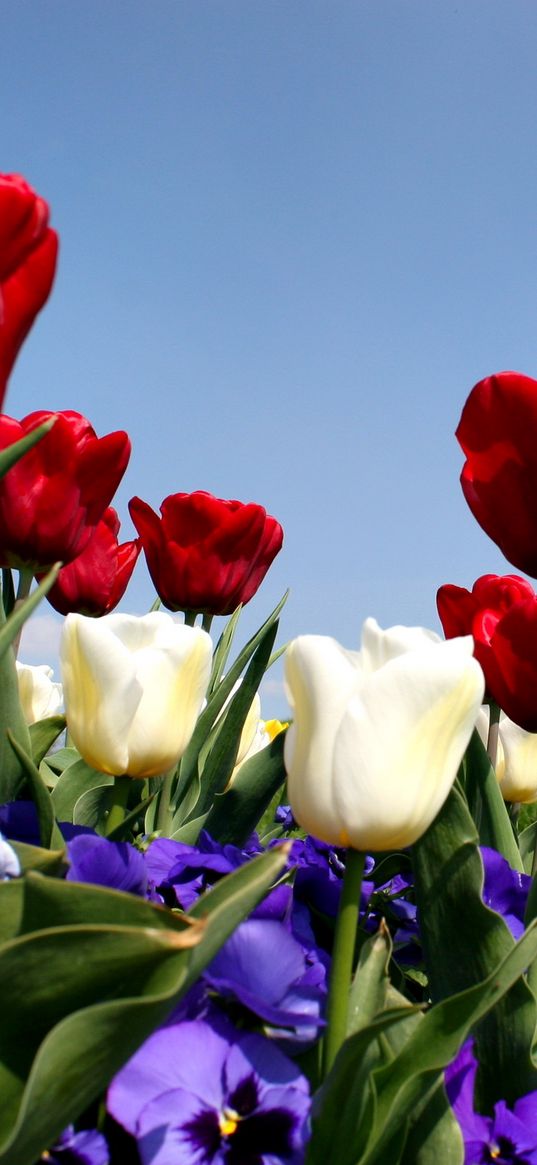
x: 28, y: 253
x: 52, y: 500
x: 498, y: 433
x: 95, y: 581
x: 501, y: 614
x: 206, y: 554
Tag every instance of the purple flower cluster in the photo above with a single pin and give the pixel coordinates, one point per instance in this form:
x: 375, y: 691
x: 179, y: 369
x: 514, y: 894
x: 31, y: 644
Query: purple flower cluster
x: 217, y: 1083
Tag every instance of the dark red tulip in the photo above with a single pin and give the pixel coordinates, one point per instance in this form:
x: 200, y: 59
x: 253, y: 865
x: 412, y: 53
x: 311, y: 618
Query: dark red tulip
x: 95, y: 581
x: 501, y: 614
x: 498, y: 434
x: 28, y: 253
x: 206, y: 554
x: 53, y: 499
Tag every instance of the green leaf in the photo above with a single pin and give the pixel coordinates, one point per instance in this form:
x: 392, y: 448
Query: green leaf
x: 83, y: 994
x: 14, y: 624
x: 51, y: 837
x: 222, y: 651
x: 235, y: 813
x: 189, y: 762
x: 43, y: 734
x: 14, y: 452
x: 221, y: 759
x: 527, y: 841
x: 487, y: 804
x: 33, y: 857
x: 463, y: 940
x: 367, y: 997
x: 78, y: 778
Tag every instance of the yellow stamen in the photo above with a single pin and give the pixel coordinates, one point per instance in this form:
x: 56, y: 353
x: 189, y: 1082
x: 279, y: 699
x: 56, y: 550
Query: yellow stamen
x: 228, y: 1121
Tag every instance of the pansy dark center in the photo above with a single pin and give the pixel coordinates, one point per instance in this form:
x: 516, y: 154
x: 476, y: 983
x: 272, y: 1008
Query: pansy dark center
x: 503, y: 1152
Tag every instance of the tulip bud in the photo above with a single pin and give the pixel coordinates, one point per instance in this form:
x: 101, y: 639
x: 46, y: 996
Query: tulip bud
x: 39, y: 696
x: 133, y: 689
x: 377, y: 735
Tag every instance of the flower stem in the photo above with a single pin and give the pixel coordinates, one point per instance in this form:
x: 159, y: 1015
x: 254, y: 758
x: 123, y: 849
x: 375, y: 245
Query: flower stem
x: 118, y: 803
x: 23, y: 590
x: 206, y: 621
x: 190, y: 618
x: 342, y: 957
x: 492, y: 742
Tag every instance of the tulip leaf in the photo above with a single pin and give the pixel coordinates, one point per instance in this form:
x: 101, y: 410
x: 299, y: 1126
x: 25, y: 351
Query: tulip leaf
x: 14, y: 452
x: 50, y: 835
x: 75, y: 780
x: 463, y: 940
x: 487, y: 804
x: 222, y: 650
x: 43, y: 734
x: 190, y: 831
x: 527, y: 842
x: 94, y: 804
x: 221, y: 759
x: 33, y: 857
x: 83, y: 995
x: 189, y: 762
x: 368, y: 993
x: 12, y: 772
x: 11, y: 907
x: 235, y: 813
x: 14, y: 624
x: 124, y: 829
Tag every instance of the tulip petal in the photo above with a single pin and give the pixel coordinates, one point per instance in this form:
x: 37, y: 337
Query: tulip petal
x: 379, y: 646
x: 101, y: 691
x: 401, y: 741
x: 320, y: 676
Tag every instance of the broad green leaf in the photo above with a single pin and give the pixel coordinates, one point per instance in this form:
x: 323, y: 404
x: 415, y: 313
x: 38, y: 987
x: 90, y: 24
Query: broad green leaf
x: 43, y: 734
x: 78, y: 778
x: 367, y: 996
x: 33, y: 857
x: 235, y: 813
x: 463, y: 940
x: 83, y: 995
x: 487, y: 804
x: 51, y: 837
x: 527, y: 841
x: 222, y: 650
x: 415, y: 1073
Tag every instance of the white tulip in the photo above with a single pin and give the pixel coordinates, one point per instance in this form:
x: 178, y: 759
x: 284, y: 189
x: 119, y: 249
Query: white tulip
x: 516, y: 758
x: 133, y: 689
x: 40, y: 697
x: 377, y: 735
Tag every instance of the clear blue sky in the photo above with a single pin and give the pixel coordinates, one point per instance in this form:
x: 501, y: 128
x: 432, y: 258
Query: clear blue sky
x: 294, y: 235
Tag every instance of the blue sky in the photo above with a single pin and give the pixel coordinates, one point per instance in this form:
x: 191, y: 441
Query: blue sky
x: 294, y: 235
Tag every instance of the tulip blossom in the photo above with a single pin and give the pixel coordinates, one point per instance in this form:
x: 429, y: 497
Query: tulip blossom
x: 133, y: 689
x: 206, y: 554
x: 40, y: 697
x: 498, y: 434
x: 516, y: 760
x: 28, y: 253
x: 95, y: 581
x: 501, y: 614
x: 54, y: 497
x: 377, y: 735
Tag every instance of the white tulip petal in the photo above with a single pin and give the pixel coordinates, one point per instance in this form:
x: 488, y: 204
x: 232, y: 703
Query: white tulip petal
x: 379, y: 647
x: 400, y: 743
x: 321, y: 677
x: 518, y: 776
x: 40, y: 697
x: 101, y: 691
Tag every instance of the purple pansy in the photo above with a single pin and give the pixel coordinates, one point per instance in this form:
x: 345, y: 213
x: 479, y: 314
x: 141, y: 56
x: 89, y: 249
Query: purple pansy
x: 508, y: 1137
x: 106, y: 863
x: 179, y: 873
x: 193, y: 1095
x: 287, y: 991
x: 85, y: 1148
x: 505, y: 890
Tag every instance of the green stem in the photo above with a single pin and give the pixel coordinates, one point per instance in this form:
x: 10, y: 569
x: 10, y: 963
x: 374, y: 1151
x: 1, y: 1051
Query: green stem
x: 163, y: 814
x: 23, y: 590
x: 118, y: 803
x: 206, y: 621
x: 342, y: 957
x: 492, y: 742
x: 190, y: 618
